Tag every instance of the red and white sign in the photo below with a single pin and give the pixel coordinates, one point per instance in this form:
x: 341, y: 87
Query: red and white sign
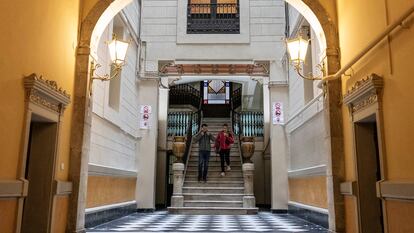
x: 277, y: 113
x: 146, y: 109
x: 145, y: 116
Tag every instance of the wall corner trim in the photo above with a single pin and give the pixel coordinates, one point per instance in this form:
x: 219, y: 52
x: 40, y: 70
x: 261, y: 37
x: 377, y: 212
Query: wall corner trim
x: 319, y: 170
x: 348, y: 188
x: 395, y: 190
x: 62, y: 187
x: 13, y: 188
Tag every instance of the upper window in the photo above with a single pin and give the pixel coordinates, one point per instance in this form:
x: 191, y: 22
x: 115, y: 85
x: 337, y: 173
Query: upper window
x: 213, y: 16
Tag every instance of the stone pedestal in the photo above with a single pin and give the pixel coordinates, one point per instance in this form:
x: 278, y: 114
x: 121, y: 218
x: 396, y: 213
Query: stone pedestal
x: 177, y: 199
x: 249, y: 201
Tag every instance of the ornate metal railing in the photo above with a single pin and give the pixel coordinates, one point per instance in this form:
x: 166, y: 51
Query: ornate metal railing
x: 247, y: 123
x: 220, y: 18
x: 179, y: 123
x: 185, y: 94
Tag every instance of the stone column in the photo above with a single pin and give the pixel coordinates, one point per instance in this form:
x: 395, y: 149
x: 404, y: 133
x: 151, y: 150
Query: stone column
x: 146, y: 158
x: 162, y: 142
x: 278, y: 92
x: 177, y: 199
x: 266, y: 110
x: 249, y: 201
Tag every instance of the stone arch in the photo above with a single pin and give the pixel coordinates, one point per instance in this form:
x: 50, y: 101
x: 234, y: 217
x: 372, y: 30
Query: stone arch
x: 101, y: 12
x: 324, y: 23
x: 91, y: 27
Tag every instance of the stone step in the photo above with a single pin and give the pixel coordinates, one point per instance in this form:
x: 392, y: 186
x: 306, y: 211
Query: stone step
x: 216, y: 174
x: 214, y: 190
x: 212, y: 210
x: 212, y: 169
x: 214, y: 160
x: 212, y: 155
x: 213, y: 163
x: 213, y: 197
x: 234, y: 149
x: 212, y: 183
x: 214, y: 179
x: 238, y: 204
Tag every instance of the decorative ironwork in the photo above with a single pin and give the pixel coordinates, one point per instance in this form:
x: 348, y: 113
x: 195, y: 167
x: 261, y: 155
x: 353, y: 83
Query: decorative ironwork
x: 248, y: 123
x: 213, y: 18
x: 180, y: 123
x: 185, y: 94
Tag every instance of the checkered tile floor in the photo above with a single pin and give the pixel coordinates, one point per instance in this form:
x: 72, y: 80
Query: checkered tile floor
x: 161, y: 221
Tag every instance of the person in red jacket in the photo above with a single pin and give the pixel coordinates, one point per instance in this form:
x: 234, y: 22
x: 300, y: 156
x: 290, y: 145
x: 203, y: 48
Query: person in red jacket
x: 224, y: 140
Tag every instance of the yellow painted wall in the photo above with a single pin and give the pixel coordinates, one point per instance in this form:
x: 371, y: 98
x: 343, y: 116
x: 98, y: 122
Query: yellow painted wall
x: 8, y: 212
x: 400, y: 216
x: 309, y: 191
x: 359, y: 22
x: 60, y: 216
x: 351, y: 221
x: 106, y: 190
x: 41, y: 37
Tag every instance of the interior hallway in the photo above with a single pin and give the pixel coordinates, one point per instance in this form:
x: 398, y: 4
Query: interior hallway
x: 161, y: 221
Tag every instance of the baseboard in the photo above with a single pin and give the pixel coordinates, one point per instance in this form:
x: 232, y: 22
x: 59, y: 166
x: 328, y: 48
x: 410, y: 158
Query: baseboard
x: 309, y: 214
x: 279, y: 211
x: 101, y: 215
x: 147, y: 210
x: 264, y: 207
x: 161, y: 207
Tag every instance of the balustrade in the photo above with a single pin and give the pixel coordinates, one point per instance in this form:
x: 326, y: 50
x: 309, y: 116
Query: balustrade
x: 179, y: 123
x: 213, y: 18
x: 247, y: 123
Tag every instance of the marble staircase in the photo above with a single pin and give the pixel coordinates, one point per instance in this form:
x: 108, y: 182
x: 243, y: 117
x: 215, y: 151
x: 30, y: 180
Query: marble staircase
x: 220, y: 195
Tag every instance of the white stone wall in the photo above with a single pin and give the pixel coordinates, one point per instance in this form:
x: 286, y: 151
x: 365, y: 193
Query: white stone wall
x: 162, y: 28
x: 305, y: 128
x: 115, y: 133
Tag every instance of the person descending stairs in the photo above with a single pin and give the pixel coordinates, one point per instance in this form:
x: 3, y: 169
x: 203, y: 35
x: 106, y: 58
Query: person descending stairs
x: 221, y: 194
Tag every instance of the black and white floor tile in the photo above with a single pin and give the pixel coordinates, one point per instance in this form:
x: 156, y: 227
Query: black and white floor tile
x: 161, y: 221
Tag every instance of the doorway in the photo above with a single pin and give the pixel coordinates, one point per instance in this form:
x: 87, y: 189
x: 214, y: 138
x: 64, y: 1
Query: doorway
x: 368, y: 173
x: 40, y: 168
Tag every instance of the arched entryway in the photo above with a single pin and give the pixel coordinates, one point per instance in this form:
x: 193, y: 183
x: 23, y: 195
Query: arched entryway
x: 322, y: 18
x: 95, y: 20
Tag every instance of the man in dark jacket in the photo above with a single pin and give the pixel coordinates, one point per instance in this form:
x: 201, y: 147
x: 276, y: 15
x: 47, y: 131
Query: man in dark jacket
x: 204, y: 139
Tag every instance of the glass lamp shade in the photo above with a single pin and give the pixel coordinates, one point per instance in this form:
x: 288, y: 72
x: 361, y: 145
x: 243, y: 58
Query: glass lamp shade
x: 118, y: 50
x: 297, y: 49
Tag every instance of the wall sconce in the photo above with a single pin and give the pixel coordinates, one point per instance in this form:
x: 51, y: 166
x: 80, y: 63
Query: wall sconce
x: 297, y: 49
x: 117, y: 52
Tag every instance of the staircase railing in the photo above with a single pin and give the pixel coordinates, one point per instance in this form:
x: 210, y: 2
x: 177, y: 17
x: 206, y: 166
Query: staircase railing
x: 193, y: 128
x: 248, y: 123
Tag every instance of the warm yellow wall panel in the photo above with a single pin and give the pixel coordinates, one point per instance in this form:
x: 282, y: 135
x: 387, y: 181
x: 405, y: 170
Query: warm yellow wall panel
x: 393, y: 61
x: 351, y: 214
x: 399, y: 102
x: 309, y: 191
x: 8, y: 213
x: 400, y: 216
x: 60, y: 214
x: 41, y: 37
x: 359, y: 22
x: 105, y: 190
